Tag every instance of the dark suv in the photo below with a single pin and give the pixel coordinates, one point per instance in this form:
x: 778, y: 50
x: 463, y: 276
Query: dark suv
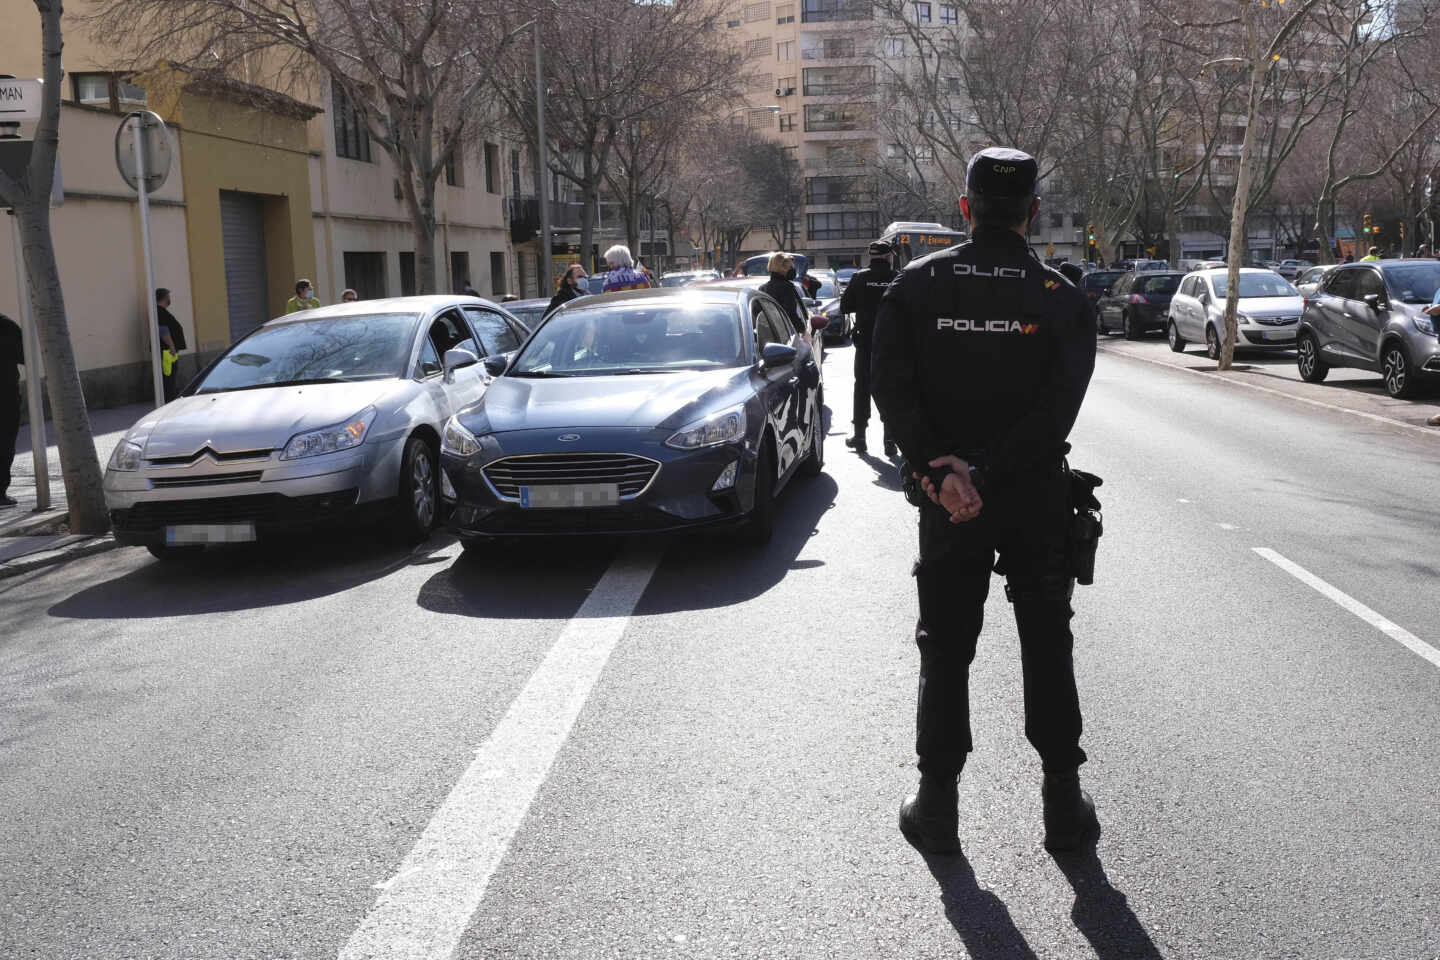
x: 1372, y: 316
x: 1138, y: 303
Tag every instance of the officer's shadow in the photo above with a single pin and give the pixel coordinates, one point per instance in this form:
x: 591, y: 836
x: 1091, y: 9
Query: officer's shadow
x: 1100, y: 912
x: 887, y: 471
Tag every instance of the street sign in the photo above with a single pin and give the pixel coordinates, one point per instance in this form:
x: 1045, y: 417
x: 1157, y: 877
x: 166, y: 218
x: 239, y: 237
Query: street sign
x: 20, y: 100
x: 159, y: 152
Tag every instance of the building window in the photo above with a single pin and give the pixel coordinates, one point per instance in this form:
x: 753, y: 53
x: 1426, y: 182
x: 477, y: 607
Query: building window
x: 828, y: 48
x: 407, y: 274
x: 834, y: 116
x: 787, y: 122
x: 894, y: 151
x: 836, y: 190
x: 352, y: 141
x: 785, y: 50
x: 515, y: 173
x: 757, y: 48
x: 365, y: 274
x: 1057, y: 220
x: 756, y: 11
x: 786, y: 86
x: 454, y: 168
x: 732, y: 24
x: 856, y: 225
x: 498, y: 281
x: 107, y: 91
x: 893, y: 47
x: 950, y: 15
x: 922, y: 13
x: 785, y: 13
x: 833, y: 81
x: 459, y: 270
x: 826, y: 11
x: 492, y: 168
x: 760, y: 119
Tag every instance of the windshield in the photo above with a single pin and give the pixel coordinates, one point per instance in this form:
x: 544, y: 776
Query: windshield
x: 1160, y: 283
x: 827, y: 290
x: 324, y: 350
x: 1255, y: 285
x: 634, y: 338
x: 1100, y: 279
x: 1413, y: 282
x: 678, y: 279
x: 529, y: 314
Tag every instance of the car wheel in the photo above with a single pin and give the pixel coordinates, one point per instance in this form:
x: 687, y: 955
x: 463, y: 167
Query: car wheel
x: 759, y: 526
x: 1399, y: 375
x: 1307, y: 358
x: 1128, y: 328
x: 1100, y: 322
x: 168, y: 554
x: 1177, y: 342
x: 815, y: 460
x: 419, y: 501
x: 1212, y: 343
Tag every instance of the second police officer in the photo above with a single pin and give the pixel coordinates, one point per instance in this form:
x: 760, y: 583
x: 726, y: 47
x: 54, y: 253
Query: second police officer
x: 981, y: 359
x: 862, y: 298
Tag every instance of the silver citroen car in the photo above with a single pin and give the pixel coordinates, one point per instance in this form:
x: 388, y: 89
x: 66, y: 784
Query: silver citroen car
x: 310, y: 418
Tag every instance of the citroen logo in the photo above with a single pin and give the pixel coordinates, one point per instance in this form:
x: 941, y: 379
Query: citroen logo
x: 568, y: 437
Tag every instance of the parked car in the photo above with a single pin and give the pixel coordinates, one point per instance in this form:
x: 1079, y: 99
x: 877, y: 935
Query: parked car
x: 1290, y: 269
x: 1267, y: 317
x: 759, y: 265
x: 837, y: 324
x: 1309, y: 281
x: 843, y: 275
x: 1096, y: 283
x: 528, y: 312
x: 308, y: 418
x: 681, y: 278
x: 1371, y: 316
x: 1137, y: 303
x: 640, y: 411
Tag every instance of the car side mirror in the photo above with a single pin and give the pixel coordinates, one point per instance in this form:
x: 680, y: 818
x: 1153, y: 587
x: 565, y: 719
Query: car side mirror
x: 1376, y: 301
x: 457, y: 359
x: 819, y: 322
x: 495, y: 365
x: 776, y: 355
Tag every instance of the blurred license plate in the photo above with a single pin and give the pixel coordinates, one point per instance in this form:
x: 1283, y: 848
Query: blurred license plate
x: 186, y: 533
x: 551, y: 496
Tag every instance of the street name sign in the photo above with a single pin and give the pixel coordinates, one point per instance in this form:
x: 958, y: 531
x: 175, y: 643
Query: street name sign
x: 20, y: 100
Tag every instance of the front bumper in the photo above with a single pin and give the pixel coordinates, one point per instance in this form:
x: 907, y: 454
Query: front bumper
x: 1268, y: 337
x: 679, y: 496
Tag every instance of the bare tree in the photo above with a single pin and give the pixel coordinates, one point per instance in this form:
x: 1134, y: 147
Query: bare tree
x: 30, y: 200
x: 417, y: 74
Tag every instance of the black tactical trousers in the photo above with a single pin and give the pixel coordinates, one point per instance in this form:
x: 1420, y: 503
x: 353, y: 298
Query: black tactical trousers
x: 1027, y: 529
x: 862, y: 387
x: 9, y: 430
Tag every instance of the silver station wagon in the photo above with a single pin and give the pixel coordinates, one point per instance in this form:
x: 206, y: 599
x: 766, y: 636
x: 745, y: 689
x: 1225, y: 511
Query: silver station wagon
x: 307, y: 419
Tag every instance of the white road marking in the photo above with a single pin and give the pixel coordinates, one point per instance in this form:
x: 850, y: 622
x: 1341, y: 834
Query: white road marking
x: 423, y: 910
x: 1181, y: 500
x: 1226, y: 526
x: 1213, y: 375
x: 1395, y: 632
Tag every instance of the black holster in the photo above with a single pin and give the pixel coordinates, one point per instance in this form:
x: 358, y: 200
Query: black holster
x: 1086, y: 525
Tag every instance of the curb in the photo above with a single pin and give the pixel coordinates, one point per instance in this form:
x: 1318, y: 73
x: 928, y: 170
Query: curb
x: 48, y: 558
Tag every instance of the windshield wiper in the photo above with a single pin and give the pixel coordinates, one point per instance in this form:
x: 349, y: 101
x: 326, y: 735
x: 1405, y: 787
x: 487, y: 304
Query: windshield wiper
x: 638, y: 371
x: 536, y: 374
x: 284, y: 383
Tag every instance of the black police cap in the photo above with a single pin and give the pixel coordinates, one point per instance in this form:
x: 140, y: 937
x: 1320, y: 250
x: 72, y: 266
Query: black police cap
x: 879, y: 248
x: 999, y: 173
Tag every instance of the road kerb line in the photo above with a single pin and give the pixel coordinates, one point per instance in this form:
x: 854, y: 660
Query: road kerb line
x: 1392, y: 630
x: 424, y: 908
x: 1214, y: 375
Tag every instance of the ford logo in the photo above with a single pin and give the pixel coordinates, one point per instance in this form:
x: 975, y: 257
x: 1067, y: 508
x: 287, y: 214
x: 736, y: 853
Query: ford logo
x: 568, y: 437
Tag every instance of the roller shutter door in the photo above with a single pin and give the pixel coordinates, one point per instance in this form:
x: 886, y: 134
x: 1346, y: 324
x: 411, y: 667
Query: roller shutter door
x: 242, y: 228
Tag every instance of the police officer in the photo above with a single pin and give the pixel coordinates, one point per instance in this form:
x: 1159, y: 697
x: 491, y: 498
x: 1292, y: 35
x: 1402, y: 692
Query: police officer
x: 981, y: 359
x: 12, y: 355
x: 862, y: 298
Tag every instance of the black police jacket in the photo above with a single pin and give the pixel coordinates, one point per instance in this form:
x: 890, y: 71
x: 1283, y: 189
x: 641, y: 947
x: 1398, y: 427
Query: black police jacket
x: 12, y: 353
x: 982, y: 351
x: 862, y: 298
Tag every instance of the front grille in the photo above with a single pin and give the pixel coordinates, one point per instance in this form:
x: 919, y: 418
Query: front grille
x: 217, y: 457
x: 630, y: 473
x: 262, y: 509
x: 1257, y: 337
x: 214, y: 479
x: 1275, y: 321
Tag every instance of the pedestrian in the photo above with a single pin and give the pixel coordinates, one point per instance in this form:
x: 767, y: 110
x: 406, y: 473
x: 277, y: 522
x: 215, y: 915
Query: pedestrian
x: 569, y: 287
x: 172, y: 341
x: 981, y: 359
x: 862, y: 298
x: 348, y: 296
x: 622, y: 273
x: 1374, y: 254
x: 304, y: 298
x: 12, y: 355
x: 781, y: 287
x: 1349, y: 258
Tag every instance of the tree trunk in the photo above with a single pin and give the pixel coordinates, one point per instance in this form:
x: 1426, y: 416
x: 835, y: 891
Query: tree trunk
x: 1240, y: 209
x: 1324, y: 211
x: 79, y: 464
x: 426, y: 269
x: 1172, y: 234
x: 589, y: 193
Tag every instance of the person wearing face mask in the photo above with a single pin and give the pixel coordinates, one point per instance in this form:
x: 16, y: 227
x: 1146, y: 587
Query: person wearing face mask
x: 781, y: 286
x: 569, y: 287
x: 304, y: 298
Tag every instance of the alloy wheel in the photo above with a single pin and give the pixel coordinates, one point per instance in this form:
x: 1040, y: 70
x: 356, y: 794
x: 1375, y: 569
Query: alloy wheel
x: 1395, y: 373
x: 422, y: 489
x: 1212, y: 344
x: 1306, y: 357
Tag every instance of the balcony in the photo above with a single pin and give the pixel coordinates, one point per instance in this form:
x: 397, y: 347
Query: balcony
x: 830, y: 11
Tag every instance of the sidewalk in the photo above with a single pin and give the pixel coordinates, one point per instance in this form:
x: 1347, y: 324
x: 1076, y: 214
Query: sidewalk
x: 31, y: 538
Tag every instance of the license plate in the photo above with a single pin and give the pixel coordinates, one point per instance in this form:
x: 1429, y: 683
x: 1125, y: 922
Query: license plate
x: 562, y: 495
x: 202, y: 533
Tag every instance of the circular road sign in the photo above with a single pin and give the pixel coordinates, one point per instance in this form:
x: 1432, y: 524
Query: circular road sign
x: 159, y: 151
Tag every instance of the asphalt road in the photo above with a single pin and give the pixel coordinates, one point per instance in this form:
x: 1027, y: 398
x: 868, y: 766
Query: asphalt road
x: 338, y: 748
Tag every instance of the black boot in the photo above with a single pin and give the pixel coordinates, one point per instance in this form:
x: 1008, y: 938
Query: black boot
x: 928, y: 817
x: 1069, y: 813
x: 890, y: 448
x: 857, y: 442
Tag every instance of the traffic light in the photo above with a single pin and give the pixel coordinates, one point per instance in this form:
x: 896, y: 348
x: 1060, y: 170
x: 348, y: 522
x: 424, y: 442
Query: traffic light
x: 1368, y: 228
x: 1402, y: 229
x: 1090, y: 232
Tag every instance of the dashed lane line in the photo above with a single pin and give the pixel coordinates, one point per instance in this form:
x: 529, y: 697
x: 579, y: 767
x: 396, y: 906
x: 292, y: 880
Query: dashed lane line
x: 423, y: 909
x: 1392, y: 630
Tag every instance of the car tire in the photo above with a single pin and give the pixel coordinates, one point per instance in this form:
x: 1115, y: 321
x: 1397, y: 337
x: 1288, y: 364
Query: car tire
x: 168, y: 554
x: 759, y: 525
x: 1100, y: 322
x: 1212, y: 343
x: 1177, y: 342
x: 418, y: 504
x: 1398, y: 371
x: 1128, y: 328
x: 815, y: 459
x: 1307, y: 359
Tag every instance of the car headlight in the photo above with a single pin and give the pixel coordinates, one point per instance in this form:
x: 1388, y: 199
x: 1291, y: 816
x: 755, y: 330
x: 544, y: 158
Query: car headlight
x: 1241, y: 318
x: 457, y: 441
x: 722, y: 427
x: 342, y: 436
x: 1424, y: 324
x: 126, y: 456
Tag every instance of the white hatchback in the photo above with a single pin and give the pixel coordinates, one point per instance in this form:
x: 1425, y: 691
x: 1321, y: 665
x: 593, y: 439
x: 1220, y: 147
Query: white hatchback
x: 1268, y: 313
